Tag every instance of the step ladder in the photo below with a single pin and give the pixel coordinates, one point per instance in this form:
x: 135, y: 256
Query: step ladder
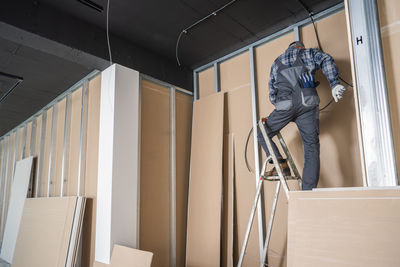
x: 281, y: 181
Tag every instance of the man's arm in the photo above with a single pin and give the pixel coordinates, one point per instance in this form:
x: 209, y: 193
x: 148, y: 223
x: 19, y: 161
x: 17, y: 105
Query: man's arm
x: 272, y: 78
x: 328, y: 66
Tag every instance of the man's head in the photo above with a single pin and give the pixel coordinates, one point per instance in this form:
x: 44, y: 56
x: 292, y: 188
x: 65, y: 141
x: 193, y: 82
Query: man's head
x: 297, y: 44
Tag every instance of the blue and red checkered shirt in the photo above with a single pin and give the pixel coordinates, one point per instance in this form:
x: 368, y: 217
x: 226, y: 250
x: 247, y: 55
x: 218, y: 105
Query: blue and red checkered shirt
x: 312, y: 58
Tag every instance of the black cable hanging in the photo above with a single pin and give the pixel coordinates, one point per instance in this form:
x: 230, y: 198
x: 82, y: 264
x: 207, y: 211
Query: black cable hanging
x: 311, y: 16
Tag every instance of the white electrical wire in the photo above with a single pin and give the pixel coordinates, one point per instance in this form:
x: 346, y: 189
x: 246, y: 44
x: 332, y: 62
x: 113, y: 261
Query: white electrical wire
x: 185, y: 31
x: 108, y: 34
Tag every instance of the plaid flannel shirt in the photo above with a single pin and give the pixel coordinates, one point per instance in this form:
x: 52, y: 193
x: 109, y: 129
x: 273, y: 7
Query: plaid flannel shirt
x: 312, y: 58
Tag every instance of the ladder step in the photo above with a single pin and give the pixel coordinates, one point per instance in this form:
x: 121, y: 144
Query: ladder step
x: 276, y: 178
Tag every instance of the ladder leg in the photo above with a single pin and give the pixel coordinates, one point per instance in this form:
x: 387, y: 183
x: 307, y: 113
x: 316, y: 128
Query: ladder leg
x: 249, y: 225
x: 274, y: 159
x: 271, y: 222
x: 290, y: 159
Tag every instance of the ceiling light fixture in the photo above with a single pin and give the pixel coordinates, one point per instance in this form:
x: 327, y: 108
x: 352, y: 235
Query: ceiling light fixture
x: 92, y: 5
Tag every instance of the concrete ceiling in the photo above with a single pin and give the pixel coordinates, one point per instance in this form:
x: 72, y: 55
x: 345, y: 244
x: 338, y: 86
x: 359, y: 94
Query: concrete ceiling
x: 54, y: 43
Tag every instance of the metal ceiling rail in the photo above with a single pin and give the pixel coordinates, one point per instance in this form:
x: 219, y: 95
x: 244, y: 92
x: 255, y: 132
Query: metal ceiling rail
x: 321, y: 15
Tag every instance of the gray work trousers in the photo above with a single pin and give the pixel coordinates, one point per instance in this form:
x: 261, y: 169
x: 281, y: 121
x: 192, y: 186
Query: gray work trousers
x: 307, y: 121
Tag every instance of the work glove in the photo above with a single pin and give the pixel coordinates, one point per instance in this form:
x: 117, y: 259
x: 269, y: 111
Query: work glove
x: 307, y: 80
x: 338, y: 91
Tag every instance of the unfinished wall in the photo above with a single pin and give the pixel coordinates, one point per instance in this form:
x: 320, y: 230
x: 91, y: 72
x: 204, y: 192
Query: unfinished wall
x: 155, y: 178
x: 154, y: 172
x: 340, y: 156
x: 206, y: 82
x: 155, y: 175
x: 28, y: 139
x: 389, y: 19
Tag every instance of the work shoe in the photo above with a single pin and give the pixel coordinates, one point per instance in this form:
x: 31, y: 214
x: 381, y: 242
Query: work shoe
x: 284, y: 167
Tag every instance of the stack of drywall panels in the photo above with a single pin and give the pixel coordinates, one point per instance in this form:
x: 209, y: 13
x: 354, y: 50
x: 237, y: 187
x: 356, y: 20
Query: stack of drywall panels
x: 127, y: 257
x: 344, y: 227
x: 49, y: 232
x: 19, y: 189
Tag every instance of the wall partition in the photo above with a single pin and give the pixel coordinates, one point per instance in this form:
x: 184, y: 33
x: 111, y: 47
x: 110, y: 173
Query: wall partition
x: 243, y: 76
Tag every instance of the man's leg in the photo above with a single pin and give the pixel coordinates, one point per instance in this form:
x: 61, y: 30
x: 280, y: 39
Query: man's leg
x: 275, y: 122
x: 308, y: 124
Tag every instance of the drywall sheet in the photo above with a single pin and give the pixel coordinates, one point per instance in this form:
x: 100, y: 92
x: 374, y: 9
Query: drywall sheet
x: 205, y: 187
x: 46, y: 154
x: 338, y: 123
x: 45, y: 231
x: 76, y: 230
x: 128, y: 257
x: 238, y: 121
x: 27, y: 151
x: 344, y: 228
x: 206, y: 82
x: 155, y: 172
x: 74, y: 142
x: 235, y: 73
x: 228, y: 201
x: 58, y: 150
x: 389, y: 19
x: 8, y: 179
x: 19, y: 189
x: 89, y: 223
x: 183, y: 123
x: 277, y: 254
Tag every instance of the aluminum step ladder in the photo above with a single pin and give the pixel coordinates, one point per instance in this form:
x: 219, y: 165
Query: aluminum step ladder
x: 281, y: 181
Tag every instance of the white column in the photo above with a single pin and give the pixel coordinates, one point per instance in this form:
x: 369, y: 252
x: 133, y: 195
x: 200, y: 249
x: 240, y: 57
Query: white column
x: 118, y: 177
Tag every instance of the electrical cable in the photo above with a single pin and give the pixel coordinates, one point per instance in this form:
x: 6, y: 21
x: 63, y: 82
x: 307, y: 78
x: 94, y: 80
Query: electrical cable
x: 108, y: 33
x: 245, y: 151
x: 185, y: 31
x: 311, y: 15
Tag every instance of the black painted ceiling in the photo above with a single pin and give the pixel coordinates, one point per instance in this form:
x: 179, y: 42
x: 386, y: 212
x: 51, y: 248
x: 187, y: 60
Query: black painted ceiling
x: 156, y: 24
x: 143, y: 37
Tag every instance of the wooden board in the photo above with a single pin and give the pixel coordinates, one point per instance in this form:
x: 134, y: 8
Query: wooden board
x: 44, y: 232
x: 74, y: 143
x: 228, y: 201
x: 206, y: 82
x: 338, y: 136
x: 45, y: 154
x: 154, y: 172
x: 389, y: 17
x: 184, y: 105
x: 128, y: 257
x: 89, y: 223
x: 58, y: 149
x: 19, y: 189
x: 28, y: 140
x: 344, y: 228
x: 205, y: 186
x: 238, y: 121
x: 235, y: 73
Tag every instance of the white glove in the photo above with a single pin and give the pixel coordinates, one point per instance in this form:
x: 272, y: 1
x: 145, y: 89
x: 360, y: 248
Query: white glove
x: 338, y: 91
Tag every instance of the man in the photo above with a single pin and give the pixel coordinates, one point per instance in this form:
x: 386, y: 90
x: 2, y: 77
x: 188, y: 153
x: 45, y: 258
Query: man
x: 294, y: 95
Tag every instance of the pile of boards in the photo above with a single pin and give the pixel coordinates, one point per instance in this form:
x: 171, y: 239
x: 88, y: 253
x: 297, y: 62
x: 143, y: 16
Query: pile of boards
x: 40, y: 232
x: 127, y: 257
